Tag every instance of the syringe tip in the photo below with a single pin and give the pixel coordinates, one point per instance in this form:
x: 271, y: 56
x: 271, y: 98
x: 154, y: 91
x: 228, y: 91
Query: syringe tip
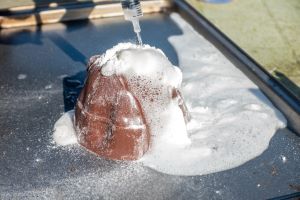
x: 132, y: 11
x: 139, y: 39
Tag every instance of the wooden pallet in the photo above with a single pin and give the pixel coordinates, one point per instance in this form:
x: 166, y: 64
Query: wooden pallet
x: 6, y: 5
x: 67, y: 10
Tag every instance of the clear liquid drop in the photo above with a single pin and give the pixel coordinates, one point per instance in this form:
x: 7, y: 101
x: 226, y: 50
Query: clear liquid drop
x: 139, y: 39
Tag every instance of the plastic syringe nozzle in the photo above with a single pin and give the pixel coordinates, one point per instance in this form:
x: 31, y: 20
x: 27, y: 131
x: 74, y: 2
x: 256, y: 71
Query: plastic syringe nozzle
x: 136, y: 25
x: 132, y: 11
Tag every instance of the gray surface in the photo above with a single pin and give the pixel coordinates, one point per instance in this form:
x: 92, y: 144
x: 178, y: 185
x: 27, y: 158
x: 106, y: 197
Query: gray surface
x: 31, y: 167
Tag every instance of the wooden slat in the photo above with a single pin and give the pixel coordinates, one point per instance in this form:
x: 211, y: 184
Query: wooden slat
x: 90, y: 11
x: 12, y: 5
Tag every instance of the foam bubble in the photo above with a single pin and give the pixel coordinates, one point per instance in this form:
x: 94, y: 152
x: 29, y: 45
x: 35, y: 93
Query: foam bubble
x: 22, y: 76
x: 64, y: 133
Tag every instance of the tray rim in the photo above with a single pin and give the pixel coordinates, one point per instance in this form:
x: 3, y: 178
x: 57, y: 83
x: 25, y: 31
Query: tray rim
x: 280, y: 96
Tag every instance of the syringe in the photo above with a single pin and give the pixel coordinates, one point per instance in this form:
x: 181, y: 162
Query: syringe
x: 132, y: 11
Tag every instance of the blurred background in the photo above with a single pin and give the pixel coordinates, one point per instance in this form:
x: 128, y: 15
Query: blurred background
x: 268, y: 30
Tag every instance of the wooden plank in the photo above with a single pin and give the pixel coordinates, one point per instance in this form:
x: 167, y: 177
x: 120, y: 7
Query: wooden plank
x: 87, y: 11
x: 11, y: 5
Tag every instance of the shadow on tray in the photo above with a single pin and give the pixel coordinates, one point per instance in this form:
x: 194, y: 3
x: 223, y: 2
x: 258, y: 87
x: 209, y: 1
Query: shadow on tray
x: 72, y: 85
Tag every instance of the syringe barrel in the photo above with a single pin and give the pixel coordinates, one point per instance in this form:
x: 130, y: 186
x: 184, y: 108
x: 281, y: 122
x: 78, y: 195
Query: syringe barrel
x: 132, y: 9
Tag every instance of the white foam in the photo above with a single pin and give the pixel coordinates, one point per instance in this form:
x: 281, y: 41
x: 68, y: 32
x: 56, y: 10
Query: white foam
x: 232, y: 121
x: 64, y: 133
x: 22, y: 76
x: 151, y: 77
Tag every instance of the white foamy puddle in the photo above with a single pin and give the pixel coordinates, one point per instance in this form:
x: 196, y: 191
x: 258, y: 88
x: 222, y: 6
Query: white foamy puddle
x: 232, y: 121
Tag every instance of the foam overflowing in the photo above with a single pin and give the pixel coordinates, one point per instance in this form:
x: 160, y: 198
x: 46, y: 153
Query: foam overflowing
x: 64, y: 132
x: 232, y: 121
x: 151, y: 77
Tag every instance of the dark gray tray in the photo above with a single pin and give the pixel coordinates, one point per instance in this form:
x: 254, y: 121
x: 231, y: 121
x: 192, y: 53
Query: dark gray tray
x: 31, y: 167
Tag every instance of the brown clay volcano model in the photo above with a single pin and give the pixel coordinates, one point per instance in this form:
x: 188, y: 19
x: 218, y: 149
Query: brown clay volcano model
x: 109, y: 119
